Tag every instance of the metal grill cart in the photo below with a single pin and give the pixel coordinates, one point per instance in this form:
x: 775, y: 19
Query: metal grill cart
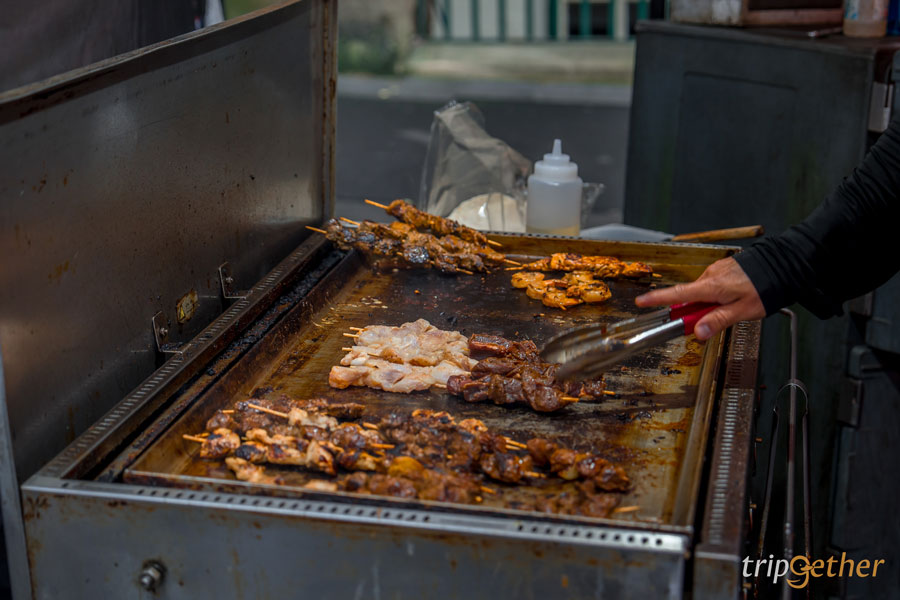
x: 156, y: 268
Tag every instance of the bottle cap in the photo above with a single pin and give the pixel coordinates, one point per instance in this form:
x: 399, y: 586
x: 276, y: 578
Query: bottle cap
x: 556, y: 165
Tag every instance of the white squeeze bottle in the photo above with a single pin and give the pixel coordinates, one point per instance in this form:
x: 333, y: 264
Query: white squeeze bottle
x: 554, y: 195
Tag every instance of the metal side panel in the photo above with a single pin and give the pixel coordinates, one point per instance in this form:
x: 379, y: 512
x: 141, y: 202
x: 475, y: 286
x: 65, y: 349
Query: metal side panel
x: 718, y: 555
x: 92, y: 540
x: 127, y: 183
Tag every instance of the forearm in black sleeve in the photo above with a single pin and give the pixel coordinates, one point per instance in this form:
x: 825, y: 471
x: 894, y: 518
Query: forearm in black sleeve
x: 849, y: 245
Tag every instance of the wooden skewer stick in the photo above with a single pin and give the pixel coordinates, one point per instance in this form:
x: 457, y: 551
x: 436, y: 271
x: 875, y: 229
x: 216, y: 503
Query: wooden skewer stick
x: 276, y: 413
x: 478, y: 498
x: 383, y: 446
x: 346, y: 349
x: 514, y: 268
x: 384, y: 206
x: 535, y: 475
x: 465, y: 271
x: 572, y: 399
x: 194, y: 438
x: 656, y: 275
x: 515, y: 444
x: 609, y: 393
x: 487, y: 490
x: 439, y: 385
x: 351, y: 335
x: 356, y: 328
x: 626, y: 509
x: 493, y: 243
x: 317, y: 230
x: 512, y: 262
x: 351, y: 221
x: 230, y: 411
x: 369, y: 425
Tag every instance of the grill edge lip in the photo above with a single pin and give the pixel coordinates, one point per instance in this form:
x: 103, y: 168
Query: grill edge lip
x: 657, y: 542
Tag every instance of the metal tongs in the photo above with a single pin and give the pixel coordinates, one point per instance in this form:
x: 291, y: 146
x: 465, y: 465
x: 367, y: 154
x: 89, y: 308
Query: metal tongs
x: 586, y: 352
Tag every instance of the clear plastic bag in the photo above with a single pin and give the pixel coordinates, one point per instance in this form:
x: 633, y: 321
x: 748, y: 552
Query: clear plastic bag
x: 463, y: 161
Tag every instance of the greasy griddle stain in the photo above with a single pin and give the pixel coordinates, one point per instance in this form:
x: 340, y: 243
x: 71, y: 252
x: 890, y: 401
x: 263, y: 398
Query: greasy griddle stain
x: 644, y: 427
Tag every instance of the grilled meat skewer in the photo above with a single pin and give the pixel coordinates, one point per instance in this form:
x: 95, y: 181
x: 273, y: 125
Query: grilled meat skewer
x: 422, y: 252
x: 602, y: 266
x: 409, y: 214
x: 448, y: 243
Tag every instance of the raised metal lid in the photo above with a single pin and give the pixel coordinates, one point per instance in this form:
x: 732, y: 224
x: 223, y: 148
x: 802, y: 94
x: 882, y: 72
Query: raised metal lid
x: 127, y: 183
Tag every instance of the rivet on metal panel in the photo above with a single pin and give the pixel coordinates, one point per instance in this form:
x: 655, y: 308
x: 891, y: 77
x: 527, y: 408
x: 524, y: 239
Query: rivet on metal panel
x: 161, y: 334
x: 151, y: 575
x: 227, y: 280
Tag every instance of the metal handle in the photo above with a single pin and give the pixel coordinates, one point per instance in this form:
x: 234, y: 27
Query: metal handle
x: 690, y: 321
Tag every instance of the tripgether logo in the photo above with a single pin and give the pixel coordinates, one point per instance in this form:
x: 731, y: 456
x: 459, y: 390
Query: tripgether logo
x: 801, y: 568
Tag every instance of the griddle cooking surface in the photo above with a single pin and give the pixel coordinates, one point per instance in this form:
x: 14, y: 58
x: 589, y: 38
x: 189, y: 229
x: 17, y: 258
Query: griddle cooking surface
x: 660, y: 411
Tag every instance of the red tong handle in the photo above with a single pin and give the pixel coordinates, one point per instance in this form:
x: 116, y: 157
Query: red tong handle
x: 690, y: 313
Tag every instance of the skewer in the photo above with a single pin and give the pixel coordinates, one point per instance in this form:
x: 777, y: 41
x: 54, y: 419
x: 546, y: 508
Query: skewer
x: 572, y: 399
x: 609, y: 393
x: 487, y: 490
x: 276, y: 413
x: 317, y: 230
x: 351, y: 221
x: 478, y: 498
x: 383, y: 446
x: 230, y: 411
x: 370, y: 425
x: 512, y: 262
x: 351, y: 335
x: 356, y: 328
x: 205, y: 434
x: 449, y: 457
x: 193, y: 438
x: 465, y: 271
x: 384, y: 206
x: 514, y: 443
x: 535, y: 475
x: 514, y: 268
x: 626, y: 509
x: 656, y: 275
x: 346, y: 349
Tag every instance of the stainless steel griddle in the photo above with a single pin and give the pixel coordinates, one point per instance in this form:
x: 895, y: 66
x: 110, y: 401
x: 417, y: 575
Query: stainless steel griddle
x: 126, y: 509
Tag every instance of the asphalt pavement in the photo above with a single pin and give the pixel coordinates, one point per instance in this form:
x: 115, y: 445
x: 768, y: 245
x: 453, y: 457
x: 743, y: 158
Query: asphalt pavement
x: 383, y: 129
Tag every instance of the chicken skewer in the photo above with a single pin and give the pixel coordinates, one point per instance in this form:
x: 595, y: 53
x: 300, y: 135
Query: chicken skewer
x: 602, y: 266
x: 402, y: 252
x: 449, y: 242
x: 437, y: 458
x: 409, y: 214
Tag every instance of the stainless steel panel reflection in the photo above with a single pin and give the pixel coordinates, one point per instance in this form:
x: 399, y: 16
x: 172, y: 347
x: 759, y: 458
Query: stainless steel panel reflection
x: 126, y: 184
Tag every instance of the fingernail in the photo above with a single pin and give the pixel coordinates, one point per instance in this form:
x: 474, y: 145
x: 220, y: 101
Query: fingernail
x: 702, y: 331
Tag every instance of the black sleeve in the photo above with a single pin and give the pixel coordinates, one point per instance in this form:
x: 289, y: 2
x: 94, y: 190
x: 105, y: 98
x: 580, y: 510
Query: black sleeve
x: 848, y: 246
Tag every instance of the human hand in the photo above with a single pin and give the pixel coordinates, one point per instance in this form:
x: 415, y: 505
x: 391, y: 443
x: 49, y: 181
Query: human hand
x: 723, y: 282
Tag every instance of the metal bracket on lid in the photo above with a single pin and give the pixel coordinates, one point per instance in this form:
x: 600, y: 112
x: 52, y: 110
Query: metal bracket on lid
x: 161, y: 335
x: 227, y: 280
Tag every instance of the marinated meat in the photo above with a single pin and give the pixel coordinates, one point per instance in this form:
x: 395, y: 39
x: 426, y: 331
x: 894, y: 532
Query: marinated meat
x: 541, y: 450
x: 602, y: 266
x: 246, y: 471
x: 220, y: 443
x: 220, y: 420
